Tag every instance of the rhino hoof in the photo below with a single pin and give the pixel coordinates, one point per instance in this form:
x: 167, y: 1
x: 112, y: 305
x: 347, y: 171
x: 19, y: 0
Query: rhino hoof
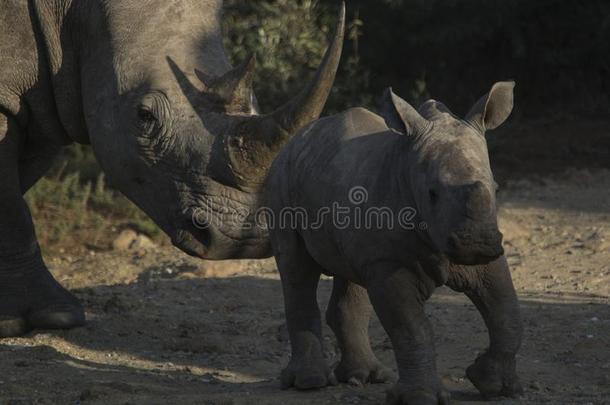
x: 304, y: 375
x: 402, y: 395
x: 65, y: 318
x: 12, y: 327
x: 47, y: 305
x: 360, y: 374
x: 494, y: 376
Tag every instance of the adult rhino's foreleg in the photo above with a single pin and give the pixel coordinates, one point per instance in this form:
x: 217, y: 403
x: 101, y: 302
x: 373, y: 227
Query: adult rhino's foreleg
x: 348, y: 315
x: 29, y: 296
x: 35, y: 162
x: 491, y: 289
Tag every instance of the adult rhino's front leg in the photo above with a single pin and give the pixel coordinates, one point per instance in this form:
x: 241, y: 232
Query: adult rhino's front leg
x: 491, y: 289
x: 29, y: 296
x: 398, y: 297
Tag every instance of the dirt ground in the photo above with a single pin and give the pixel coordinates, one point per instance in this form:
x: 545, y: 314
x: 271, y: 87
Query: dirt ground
x: 166, y: 328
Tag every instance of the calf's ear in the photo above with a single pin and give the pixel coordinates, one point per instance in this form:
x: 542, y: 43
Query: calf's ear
x: 400, y: 115
x: 493, y: 108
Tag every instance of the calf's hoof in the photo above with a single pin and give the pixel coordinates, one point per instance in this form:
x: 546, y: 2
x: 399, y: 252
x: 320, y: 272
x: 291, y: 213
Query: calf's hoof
x: 412, y: 395
x: 363, y: 372
x: 307, y: 375
x: 495, y: 376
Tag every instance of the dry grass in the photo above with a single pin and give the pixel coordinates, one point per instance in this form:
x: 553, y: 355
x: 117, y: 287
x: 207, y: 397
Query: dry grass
x: 79, y: 215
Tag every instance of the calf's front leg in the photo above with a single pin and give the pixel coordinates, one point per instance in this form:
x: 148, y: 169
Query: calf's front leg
x: 398, y: 297
x: 348, y: 315
x: 491, y: 289
x: 300, y: 275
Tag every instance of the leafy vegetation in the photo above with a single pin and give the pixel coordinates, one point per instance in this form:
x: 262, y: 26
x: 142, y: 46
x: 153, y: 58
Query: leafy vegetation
x: 289, y: 39
x: 556, y: 50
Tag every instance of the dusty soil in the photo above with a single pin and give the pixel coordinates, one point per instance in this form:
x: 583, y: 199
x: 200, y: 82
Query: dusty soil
x: 166, y: 328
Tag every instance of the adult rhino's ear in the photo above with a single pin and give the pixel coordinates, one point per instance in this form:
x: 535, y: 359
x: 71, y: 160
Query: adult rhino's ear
x: 234, y: 88
x: 400, y: 115
x: 493, y: 108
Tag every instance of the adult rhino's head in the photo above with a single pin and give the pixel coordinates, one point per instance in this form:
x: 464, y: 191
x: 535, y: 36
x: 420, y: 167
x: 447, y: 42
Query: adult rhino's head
x: 177, y: 129
x: 449, y: 170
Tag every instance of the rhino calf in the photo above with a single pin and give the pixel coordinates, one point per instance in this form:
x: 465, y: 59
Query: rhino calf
x: 433, y: 163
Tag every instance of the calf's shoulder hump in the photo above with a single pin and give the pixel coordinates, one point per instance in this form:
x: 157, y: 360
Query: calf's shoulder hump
x: 359, y: 121
x: 346, y: 125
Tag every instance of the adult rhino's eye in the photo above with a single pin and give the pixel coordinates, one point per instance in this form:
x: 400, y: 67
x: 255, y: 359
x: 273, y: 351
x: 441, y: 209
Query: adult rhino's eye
x: 147, y: 120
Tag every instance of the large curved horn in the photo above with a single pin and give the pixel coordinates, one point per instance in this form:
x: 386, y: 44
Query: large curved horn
x: 308, y: 105
x: 256, y: 144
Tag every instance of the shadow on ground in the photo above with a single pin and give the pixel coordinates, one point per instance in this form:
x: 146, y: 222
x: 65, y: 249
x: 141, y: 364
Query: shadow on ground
x: 223, y: 341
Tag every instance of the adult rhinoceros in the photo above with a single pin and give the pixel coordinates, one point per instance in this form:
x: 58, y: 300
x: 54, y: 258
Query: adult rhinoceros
x: 175, y: 128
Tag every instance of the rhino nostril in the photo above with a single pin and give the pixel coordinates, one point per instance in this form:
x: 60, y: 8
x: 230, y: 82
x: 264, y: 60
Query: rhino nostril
x: 203, y: 236
x: 453, y: 241
x: 478, y: 185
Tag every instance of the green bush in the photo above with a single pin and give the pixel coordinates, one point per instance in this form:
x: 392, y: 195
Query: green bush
x: 289, y: 39
x: 453, y: 50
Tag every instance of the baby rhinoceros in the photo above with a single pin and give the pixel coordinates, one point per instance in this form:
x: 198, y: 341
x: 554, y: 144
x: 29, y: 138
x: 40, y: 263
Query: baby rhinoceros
x: 393, y: 206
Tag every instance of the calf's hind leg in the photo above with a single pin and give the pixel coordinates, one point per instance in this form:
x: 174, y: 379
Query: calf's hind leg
x: 491, y: 289
x: 300, y: 275
x: 348, y: 315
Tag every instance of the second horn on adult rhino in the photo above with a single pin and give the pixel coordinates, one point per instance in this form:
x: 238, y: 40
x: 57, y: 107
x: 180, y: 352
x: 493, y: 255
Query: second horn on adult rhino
x: 252, y: 147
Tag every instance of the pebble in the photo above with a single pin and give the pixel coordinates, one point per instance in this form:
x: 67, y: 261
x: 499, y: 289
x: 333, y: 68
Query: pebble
x: 131, y: 240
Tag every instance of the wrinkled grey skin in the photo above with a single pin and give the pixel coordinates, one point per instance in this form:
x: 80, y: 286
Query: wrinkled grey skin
x: 437, y: 164
x: 148, y: 85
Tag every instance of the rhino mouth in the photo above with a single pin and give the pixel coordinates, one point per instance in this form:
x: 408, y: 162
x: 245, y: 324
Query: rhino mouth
x: 206, y: 241
x: 194, y: 242
x: 466, y: 248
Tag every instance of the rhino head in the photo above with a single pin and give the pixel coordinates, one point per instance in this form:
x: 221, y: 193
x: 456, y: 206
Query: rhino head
x: 177, y: 130
x: 449, y: 171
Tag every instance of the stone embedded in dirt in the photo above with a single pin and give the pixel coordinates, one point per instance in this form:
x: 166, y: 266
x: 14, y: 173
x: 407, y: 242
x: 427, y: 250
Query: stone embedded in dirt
x: 125, y: 240
x: 143, y: 242
x: 226, y: 268
x: 131, y: 240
